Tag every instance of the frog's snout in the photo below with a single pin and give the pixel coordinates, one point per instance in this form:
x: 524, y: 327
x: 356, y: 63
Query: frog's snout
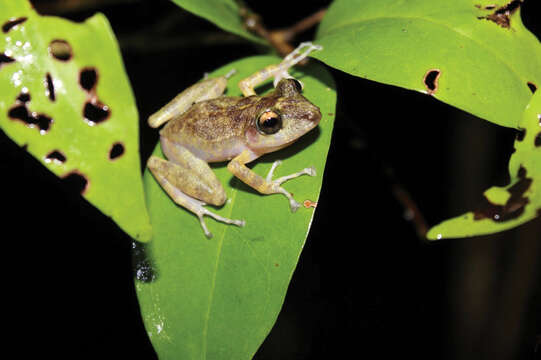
x: 313, y: 116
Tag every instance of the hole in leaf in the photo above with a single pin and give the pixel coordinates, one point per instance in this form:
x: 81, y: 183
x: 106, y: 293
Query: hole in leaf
x: 4, y: 59
x: 513, y: 208
x: 23, y: 97
x: 10, y: 24
x: 95, y: 112
x: 88, y: 78
x: 532, y: 86
x: 31, y: 119
x: 502, y: 15
x: 19, y: 112
x: 75, y: 182
x: 431, y: 80
x: 60, y: 49
x: 116, y: 151
x: 49, y: 87
x: 43, y: 122
x: 55, y: 156
x: 537, y: 141
x: 520, y: 134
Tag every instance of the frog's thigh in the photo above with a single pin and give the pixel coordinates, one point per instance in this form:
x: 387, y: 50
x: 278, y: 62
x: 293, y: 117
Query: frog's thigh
x: 189, y: 175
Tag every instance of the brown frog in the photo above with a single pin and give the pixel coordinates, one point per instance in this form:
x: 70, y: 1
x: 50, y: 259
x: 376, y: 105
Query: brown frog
x: 204, y: 126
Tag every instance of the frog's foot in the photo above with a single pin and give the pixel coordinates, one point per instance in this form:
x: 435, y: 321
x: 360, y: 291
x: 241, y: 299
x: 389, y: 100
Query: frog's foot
x: 197, y: 207
x: 300, y: 53
x: 294, y: 205
x: 217, y: 217
x: 170, y: 176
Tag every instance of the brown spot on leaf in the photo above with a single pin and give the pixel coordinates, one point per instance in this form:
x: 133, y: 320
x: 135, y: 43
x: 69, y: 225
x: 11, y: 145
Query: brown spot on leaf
x: 49, y: 87
x: 116, y: 151
x: 88, y: 79
x: 60, y: 50
x: 55, y: 156
x: 486, y: 7
x: 513, y: 208
x: 76, y: 182
x: 95, y: 112
x: 532, y: 86
x: 502, y: 15
x: 431, y: 80
x: 10, y: 24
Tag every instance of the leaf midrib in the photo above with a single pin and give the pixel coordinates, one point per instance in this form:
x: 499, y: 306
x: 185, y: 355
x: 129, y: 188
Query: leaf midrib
x: 215, y: 272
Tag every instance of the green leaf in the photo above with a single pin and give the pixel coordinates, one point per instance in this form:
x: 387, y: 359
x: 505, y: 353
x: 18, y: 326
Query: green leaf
x: 471, y: 61
x: 81, y: 127
x: 223, y: 13
x: 219, y: 298
x: 515, y: 204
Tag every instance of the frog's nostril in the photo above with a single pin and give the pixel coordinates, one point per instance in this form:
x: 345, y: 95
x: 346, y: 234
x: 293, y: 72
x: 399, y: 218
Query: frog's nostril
x: 315, y: 116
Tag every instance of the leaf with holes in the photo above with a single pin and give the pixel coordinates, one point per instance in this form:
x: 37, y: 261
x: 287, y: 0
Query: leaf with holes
x: 467, y: 53
x: 506, y: 207
x: 223, y: 13
x: 65, y: 97
x: 219, y: 298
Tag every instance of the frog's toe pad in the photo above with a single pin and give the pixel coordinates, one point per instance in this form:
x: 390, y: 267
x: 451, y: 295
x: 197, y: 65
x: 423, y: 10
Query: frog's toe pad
x: 240, y: 223
x: 311, y: 171
x: 294, y: 205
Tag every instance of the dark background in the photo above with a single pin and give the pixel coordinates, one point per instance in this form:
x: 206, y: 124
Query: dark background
x: 365, y: 286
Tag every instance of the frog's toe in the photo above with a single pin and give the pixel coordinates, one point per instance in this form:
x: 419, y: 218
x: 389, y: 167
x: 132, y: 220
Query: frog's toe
x: 240, y: 223
x: 294, y: 205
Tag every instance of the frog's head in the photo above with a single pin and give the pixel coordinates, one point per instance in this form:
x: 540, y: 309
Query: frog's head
x: 285, y: 116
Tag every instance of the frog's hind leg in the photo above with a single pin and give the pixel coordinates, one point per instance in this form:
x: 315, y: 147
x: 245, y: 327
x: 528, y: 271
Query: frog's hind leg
x: 177, y: 181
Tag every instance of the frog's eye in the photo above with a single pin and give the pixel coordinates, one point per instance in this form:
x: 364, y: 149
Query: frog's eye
x: 298, y: 84
x: 269, y: 122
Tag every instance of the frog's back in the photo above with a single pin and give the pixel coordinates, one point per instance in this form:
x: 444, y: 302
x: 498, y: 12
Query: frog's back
x: 213, y: 129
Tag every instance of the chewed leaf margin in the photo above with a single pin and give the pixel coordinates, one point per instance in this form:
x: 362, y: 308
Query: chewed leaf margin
x: 506, y: 207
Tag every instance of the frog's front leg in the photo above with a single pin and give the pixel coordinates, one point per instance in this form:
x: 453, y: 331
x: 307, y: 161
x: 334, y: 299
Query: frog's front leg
x: 208, y: 88
x: 279, y: 71
x: 190, y: 182
x: 265, y: 185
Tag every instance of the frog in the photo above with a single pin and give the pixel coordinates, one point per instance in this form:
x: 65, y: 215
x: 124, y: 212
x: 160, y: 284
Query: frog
x: 202, y: 126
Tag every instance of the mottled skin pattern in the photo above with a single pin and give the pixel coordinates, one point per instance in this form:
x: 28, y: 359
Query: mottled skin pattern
x: 204, y: 126
x: 219, y: 129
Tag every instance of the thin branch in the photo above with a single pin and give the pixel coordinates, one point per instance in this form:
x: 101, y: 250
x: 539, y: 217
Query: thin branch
x: 280, y: 39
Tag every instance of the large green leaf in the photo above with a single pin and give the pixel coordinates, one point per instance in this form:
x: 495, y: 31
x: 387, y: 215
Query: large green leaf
x: 219, y: 298
x: 512, y: 205
x: 223, y: 13
x: 472, y: 62
x: 65, y: 97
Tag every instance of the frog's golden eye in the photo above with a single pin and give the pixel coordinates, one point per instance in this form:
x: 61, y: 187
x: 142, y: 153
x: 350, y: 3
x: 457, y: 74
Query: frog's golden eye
x: 298, y: 85
x: 269, y: 122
